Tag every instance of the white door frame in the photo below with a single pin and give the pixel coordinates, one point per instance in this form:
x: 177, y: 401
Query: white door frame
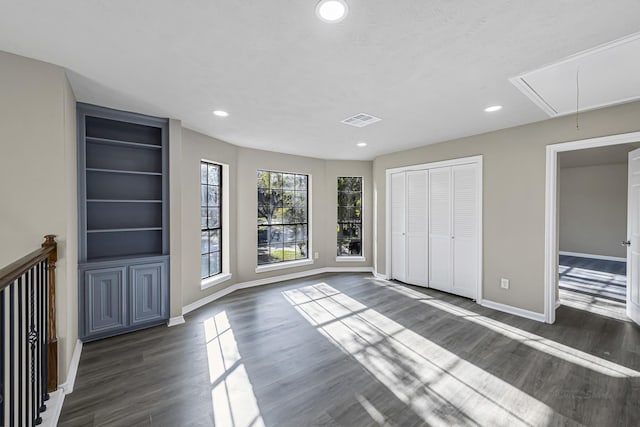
x: 551, y: 223
x: 453, y: 162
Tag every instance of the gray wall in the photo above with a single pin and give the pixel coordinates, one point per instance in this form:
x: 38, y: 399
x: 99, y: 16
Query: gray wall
x: 244, y: 163
x: 514, y: 195
x: 38, y: 178
x: 175, y: 218
x: 593, y: 209
x: 37, y: 146
x: 38, y: 151
x: 196, y: 147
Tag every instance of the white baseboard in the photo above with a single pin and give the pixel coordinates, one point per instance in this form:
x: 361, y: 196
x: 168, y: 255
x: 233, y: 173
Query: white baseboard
x: 51, y: 416
x: 558, y: 304
x: 268, y: 280
x: 380, y: 276
x: 175, y: 321
x: 56, y: 399
x: 592, y: 256
x: 206, y: 300
x: 514, y: 310
x: 539, y: 317
x: 301, y: 274
x: 68, y: 385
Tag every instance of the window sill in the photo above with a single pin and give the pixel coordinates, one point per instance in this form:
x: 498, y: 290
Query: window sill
x: 281, y: 265
x: 351, y: 259
x: 214, y: 280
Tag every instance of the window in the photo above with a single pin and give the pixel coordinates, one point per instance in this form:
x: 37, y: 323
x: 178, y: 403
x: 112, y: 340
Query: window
x: 282, y: 217
x: 211, y: 218
x: 349, y: 216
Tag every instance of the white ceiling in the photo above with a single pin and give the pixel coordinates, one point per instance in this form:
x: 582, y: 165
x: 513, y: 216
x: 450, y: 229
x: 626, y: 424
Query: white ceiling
x: 426, y: 68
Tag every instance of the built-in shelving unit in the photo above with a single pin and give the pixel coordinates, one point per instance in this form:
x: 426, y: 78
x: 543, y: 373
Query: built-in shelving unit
x: 123, y: 220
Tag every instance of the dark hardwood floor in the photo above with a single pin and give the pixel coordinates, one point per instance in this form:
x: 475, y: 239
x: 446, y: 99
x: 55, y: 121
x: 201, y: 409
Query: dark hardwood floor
x: 351, y: 350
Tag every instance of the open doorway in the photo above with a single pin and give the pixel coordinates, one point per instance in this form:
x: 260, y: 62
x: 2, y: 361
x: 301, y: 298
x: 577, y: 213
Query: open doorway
x: 631, y: 239
x: 592, y: 224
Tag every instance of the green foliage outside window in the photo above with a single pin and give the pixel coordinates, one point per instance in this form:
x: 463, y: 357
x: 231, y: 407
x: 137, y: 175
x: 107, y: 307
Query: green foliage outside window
x: 282, y: 217
x: 349, y: 227
x: 210, y: 219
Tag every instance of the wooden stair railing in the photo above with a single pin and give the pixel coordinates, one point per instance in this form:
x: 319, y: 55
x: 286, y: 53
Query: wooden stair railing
x: 29, y: 356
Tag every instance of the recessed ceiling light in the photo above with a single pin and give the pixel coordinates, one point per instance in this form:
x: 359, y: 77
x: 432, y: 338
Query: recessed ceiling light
x: 332, y: 10
x: 493, y: 108
x: 220, y: 113
x: 361, y: 144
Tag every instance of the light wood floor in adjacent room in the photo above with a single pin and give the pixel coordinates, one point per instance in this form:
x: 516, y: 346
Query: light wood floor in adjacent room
x: 350, y: 350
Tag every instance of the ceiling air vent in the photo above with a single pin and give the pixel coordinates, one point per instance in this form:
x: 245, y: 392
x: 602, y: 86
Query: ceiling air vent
x: 360, y: 120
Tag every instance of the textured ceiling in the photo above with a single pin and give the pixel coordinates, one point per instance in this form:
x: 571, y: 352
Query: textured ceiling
x: 427, y: 68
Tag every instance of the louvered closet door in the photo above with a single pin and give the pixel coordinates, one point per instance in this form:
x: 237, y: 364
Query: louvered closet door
x: 417, y: 228
x: 440, y: 252
x: 465, y: 233
x: 398, y: 219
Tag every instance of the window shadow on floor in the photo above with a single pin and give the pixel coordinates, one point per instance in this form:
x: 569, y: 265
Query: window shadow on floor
x: 298, y: 377
x: 581, y: 367
x: 350, y: 350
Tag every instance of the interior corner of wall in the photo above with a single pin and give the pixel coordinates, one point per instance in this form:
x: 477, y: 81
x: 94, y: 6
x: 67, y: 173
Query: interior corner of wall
x: 63, y: 360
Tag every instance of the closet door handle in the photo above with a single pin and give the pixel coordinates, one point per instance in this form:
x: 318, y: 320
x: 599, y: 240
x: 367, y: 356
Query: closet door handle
x: 625, y: 243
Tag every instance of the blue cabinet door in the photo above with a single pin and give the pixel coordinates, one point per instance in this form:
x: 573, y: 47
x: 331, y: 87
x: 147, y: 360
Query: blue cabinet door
x: 104, y: 300
x: 147, y: 292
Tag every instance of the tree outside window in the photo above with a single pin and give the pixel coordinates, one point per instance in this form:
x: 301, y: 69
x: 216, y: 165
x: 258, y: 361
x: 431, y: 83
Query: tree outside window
x: 210, y: 219
x: 282, y: 217
x: 349, y: 227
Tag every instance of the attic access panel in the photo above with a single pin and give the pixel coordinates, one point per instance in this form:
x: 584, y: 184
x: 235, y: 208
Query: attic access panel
x: 603, y: 76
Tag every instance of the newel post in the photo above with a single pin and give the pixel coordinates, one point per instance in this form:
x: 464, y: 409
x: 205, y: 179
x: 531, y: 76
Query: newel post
x: 52, y: 345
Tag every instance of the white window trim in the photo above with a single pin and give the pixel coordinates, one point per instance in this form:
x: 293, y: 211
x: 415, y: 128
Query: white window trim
x: 351, y: 258
x: 282, y: 265
x: 225, y: 274
x: 310, y: 255
x: 214, y: 280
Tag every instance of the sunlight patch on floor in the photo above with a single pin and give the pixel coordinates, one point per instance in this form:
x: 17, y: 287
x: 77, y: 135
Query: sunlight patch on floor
x: 439, y: 386
x: 600, y: 276
x: 373, y: 412
x: 534, y: 341
x: 593, y: 304
x: 234, y: 403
